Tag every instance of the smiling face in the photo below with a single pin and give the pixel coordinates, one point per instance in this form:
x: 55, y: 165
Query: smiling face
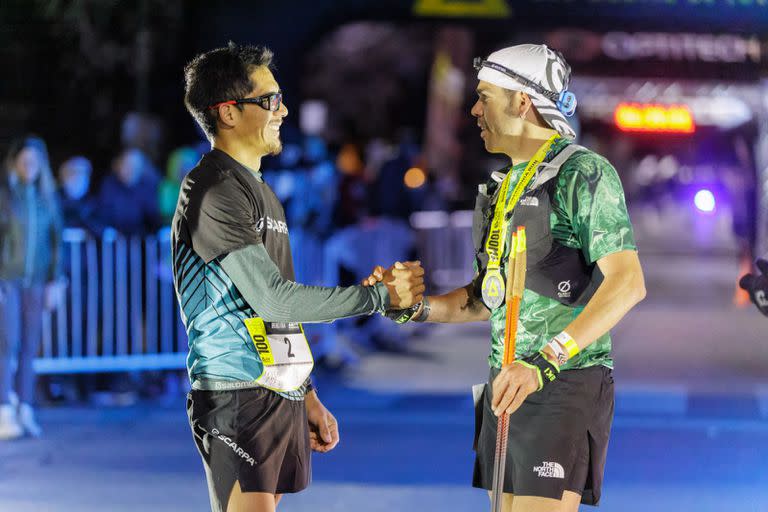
x: 498, y: 112
x: 257, y: 127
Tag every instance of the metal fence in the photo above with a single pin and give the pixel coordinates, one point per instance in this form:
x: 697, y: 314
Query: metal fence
x: 444, y: 244
x: 120, y: 311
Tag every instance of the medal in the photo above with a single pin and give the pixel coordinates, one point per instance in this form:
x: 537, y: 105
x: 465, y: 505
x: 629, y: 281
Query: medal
x: 493, y: 282
x: 493, y: 289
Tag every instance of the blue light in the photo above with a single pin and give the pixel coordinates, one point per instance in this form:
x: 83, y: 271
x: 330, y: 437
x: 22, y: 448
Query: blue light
x: 705, y: 201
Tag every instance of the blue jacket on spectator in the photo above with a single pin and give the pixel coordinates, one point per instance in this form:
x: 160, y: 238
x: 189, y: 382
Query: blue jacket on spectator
x: 131, y: 210
x: 81, y: 213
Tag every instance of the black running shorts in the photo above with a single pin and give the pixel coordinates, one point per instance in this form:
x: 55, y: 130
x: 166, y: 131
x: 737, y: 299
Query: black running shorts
x: 558, y: 438
x: 252, y: 436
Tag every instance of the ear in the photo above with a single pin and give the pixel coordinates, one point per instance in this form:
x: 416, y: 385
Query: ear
x: 227, y: 115
x: 525, y: 105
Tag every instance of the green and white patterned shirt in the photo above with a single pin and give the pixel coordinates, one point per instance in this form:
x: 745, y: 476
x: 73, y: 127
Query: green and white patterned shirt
x: 590, y: 214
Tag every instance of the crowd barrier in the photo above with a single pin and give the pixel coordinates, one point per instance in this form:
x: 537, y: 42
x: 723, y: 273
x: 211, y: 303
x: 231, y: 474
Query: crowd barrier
x: 444, y: 245
x: 120, y: 313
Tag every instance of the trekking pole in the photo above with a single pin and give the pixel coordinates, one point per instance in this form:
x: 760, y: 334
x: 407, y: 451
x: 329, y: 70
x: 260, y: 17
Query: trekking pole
x: 513, y: 295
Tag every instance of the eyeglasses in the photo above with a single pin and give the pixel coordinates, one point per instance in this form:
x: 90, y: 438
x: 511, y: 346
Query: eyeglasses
x: 271, y: 101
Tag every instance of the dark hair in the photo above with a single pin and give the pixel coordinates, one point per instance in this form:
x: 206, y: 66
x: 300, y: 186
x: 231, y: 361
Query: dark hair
x: 220, y: 75
x: 45, y: 179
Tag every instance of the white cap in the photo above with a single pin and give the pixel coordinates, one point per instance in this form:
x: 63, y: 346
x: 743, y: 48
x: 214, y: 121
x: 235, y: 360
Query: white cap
x: 540, y: 72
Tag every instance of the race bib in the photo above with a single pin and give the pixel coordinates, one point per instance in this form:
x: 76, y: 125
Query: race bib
x: 284, y: 351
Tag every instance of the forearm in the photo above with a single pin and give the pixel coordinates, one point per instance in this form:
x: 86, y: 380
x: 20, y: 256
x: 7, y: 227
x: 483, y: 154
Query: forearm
x: 276, y: 299
x: 457, y: 306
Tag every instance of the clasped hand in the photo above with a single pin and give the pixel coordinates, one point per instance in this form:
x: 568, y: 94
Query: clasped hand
x: 404, y: 282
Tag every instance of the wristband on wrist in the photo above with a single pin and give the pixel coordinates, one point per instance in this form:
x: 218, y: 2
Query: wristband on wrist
x: 545, y: 370
x: 568, y: 343
x: 564, y: 347
x: 561, y: 355
x: 424, y: 315
x: 402, y: 316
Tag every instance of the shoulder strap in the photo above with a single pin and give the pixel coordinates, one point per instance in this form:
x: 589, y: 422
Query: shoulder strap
x: 549, y: 170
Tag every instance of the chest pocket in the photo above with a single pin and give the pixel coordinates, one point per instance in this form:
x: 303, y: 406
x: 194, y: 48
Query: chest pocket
x: 554, y: 270
x: 533, y: 211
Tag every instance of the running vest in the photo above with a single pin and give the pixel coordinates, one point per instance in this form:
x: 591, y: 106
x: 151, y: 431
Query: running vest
x: 554, y: 270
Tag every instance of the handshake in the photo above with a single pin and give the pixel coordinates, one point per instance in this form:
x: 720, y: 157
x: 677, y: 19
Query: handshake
x: 404, y: 282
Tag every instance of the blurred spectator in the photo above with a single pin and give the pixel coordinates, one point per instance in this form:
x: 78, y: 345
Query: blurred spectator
x: 127, y: 200
x: 286, y: 178
x: 350, y: 206
x: 390, y: 197
x: 78, y: 209
x: 180, y: 162
x: 142, y: 131
x: 305, y: 180
x: 428, y: 198
x: 30, y: 279
x: 324, y: 183
x: 308, y: 185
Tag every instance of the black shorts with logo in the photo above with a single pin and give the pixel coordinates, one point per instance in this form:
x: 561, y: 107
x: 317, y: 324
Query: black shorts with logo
x: 558, y: 438
x: 252, y: 436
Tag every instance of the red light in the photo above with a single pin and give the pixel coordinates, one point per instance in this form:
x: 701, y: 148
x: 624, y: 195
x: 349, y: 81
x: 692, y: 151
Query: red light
x: 638, y: 117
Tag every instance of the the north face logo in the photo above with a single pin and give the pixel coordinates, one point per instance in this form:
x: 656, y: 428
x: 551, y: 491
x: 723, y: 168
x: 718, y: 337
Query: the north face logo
x: 529, y: 201
x: 549, y: 470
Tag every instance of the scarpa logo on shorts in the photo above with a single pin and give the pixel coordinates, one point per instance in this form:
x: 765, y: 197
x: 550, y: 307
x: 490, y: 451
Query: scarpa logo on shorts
x: 529, y: 201
x: 549, y: 470
x: 238, y: 451
x: 564, y: 289
x: 272, y: 225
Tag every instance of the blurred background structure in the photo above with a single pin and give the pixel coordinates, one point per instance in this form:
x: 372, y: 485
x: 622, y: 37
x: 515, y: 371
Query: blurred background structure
x: 381, y: 162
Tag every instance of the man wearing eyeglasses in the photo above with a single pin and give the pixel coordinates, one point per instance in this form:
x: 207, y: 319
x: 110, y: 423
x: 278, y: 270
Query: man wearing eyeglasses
x: 583, y: 276
x: 253, y: 411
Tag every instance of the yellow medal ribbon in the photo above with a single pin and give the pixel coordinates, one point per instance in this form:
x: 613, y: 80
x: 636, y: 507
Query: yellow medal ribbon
x: 493, y: 283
